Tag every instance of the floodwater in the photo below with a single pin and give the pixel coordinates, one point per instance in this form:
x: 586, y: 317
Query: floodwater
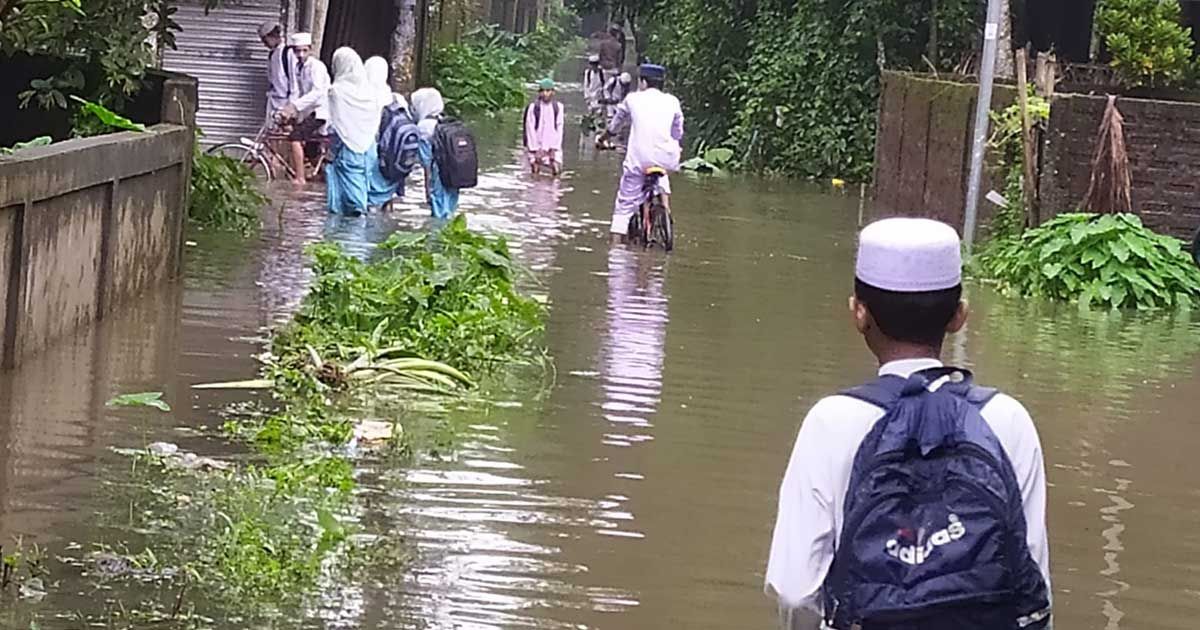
x: 637, y: 492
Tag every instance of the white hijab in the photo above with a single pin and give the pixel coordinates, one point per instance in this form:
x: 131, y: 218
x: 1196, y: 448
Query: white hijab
x: 377, y: 75
x: 427, y: 105
x: 353, y: 104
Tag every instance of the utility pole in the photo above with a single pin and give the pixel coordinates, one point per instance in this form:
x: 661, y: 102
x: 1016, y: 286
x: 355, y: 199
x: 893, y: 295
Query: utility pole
x: 987, y: 76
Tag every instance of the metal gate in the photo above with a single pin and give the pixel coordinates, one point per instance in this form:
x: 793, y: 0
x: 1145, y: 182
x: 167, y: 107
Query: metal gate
x: 223, y: 51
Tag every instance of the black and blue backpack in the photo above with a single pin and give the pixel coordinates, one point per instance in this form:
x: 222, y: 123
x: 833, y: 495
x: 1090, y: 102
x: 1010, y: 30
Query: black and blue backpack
x: 934, y: 536
x: 399, y: 143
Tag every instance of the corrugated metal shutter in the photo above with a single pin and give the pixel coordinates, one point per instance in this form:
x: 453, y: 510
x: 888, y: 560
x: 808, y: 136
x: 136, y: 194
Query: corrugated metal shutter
x: 223, y: 51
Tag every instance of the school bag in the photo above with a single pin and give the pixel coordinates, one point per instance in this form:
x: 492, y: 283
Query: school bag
x: 399, y: 143
x: 934, y: 529
x: 456, y: 155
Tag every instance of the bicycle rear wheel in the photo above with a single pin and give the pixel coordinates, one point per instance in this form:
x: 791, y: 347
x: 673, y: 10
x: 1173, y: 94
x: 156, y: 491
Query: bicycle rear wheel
x: 245, y: 155
x: 663, y: 229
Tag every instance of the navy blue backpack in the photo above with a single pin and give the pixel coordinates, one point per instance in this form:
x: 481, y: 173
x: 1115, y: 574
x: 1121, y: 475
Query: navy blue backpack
x: 934, y: 531
x: 399, y: 144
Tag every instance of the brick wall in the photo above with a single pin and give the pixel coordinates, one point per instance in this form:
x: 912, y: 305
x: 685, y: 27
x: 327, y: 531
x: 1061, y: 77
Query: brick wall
x: 1163, y: 141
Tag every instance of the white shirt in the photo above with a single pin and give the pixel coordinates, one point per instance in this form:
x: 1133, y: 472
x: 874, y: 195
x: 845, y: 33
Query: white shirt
x: 312, y: 88
x: 279, y: 86
x: 656, y: 127
x: 813, y: 493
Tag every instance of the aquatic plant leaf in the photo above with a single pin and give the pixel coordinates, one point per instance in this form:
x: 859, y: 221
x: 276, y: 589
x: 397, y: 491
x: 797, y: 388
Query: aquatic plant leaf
x: 107, y: 116
x: 143, y: 399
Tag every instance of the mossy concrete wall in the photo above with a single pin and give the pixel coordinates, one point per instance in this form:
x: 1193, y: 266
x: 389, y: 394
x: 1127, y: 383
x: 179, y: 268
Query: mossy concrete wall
x: 86, y: 225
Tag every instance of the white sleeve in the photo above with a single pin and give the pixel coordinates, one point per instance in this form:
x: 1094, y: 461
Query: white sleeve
x: 321, y: 83
x: 802, y: 547
x: 1024, y: 449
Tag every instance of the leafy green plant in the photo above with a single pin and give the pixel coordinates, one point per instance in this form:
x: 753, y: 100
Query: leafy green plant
x: 143, y: 399
x: 94, y: 119
x: 39, y: 141
x: 450, y: 297
x: 1148, y: 43
x: 712, y: 161
x: 224, y: 193
x: 487, y: 70
x: 1009, y: 155
x: 1105, y: 260
x: 794, y: 84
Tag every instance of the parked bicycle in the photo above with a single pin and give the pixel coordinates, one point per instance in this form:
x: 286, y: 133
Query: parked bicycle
x: 259, y: 154
x: 653, y: 223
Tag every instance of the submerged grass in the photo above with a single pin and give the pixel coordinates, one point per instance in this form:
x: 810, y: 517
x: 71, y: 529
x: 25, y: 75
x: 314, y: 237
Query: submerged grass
x: 428, y: 314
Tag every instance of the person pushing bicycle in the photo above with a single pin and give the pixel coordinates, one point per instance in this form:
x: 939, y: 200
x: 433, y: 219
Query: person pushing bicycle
x: 655, y: 119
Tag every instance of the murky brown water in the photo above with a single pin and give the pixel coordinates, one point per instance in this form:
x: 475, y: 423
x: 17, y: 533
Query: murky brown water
x: 638, y: 492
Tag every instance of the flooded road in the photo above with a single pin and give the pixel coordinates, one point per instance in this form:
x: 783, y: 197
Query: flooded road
x: 638, y: 491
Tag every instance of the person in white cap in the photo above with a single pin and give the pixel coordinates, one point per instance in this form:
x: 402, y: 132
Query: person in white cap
x: 615, y: 91
x: 843, y: 568
x: 593, y: 87
x: 280, y: 63
x: 309, y: 105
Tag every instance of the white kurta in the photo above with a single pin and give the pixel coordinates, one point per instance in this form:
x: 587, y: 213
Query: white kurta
x: 313, y: 90
x: 655, y: 121
x: 279, y: 86
x: 812, y: 496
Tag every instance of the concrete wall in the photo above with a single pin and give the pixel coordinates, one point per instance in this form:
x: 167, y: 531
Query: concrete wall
x: 923, y: 147
x: 1163, y: 142
x: 87, y: 224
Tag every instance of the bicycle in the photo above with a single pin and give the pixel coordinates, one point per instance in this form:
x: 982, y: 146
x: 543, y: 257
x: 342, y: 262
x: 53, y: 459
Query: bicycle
x: 653, y: 223
x: 259, y: 154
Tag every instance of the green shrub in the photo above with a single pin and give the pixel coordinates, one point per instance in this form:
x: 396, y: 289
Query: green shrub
x: 1108, y: 260
x: 224, y: 193
x: 488, y: 69
x: 1009, y: 154
x: 794, y: 84
x: 1148, y: 44
x: 478, y: 77
x: 449, y: 297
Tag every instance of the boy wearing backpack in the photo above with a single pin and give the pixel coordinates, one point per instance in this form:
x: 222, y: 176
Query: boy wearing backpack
x: 916, y: 501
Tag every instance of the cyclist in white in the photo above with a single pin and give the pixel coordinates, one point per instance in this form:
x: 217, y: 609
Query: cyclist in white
x: 656, y: 129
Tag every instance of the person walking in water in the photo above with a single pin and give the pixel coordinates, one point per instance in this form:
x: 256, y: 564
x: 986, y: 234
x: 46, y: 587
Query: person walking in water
x: 655, y: 121
x: 917, y: 500
x: 354, y: 110
x: 593, y: 88
x: 428, y: 107
x: 544, y: 120
x: 376, y: 69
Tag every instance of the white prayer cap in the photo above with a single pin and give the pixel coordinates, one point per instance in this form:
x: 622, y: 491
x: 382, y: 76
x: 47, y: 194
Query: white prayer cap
x: 593, y: 58
x: 266, y: 28
x: 300, y: 39
x: 625, y: 78
x: 909, y: 255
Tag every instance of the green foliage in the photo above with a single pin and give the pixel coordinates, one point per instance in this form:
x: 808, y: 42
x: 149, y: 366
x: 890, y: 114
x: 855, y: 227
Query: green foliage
x: 1008, y: 154
x: 1106, y: 260
x: 449, y: 296
x: 488, y: 69
x: 224, y: 193
x: 1148, y: 44
x: 39, y: 141
x: 474, y: 77
x: 794, y: 84
x: 144, y: 399
x: 94, y: 119
x: 713, y: 161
